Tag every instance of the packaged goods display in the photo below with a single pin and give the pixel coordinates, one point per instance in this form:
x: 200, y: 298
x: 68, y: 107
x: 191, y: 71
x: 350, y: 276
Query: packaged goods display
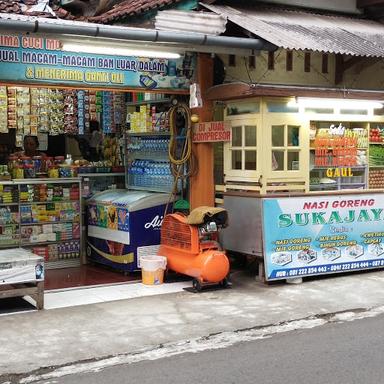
x: 147, y: 140
x: 55, y: 111
x: 339, y: 154
x: 45, y: 215
x: 148, y: 113
x: 3, y: 110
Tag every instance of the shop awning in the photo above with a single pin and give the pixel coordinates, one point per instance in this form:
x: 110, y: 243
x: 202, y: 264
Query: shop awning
x: 302, y: 30
x: 199, y: 41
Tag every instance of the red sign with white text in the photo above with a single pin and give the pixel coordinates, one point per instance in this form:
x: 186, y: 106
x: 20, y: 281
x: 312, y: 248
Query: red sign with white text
x: 212, y: 131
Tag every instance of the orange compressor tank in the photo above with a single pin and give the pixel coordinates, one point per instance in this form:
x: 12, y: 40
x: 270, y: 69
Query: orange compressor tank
x: 189, y: 254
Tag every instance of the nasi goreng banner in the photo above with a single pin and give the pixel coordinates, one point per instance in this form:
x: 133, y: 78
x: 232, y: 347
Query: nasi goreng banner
x: 306, y: 236
x: 42, y: 60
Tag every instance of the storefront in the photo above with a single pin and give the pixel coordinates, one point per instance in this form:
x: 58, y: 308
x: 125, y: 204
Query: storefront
x: 99, y: 120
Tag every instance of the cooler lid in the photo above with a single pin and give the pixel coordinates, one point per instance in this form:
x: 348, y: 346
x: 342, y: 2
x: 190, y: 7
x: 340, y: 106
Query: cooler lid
x: 130, y: 199
x: 150, y: 199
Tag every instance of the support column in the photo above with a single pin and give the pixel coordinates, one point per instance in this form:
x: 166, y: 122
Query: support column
x: 202, y: 185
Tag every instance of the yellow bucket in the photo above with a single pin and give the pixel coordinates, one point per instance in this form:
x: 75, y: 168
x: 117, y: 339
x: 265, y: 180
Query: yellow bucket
x: 152, y: 269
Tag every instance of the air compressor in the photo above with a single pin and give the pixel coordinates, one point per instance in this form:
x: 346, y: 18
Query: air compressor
x: 190, y: 244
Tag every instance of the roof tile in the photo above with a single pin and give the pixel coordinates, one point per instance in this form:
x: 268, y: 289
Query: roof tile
x: 130, y: 8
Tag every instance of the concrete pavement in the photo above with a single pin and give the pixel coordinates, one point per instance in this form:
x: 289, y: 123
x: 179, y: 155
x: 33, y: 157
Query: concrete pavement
x: 33, y: 340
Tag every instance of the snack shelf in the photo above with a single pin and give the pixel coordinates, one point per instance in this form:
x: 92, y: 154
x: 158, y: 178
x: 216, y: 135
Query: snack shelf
x: 8, y: 204
x: 50, y: 222
x: 95, y: 174
x: 144, y: 102
x: 27, y: 244
x: 21, y: 231
x: 46, y: 202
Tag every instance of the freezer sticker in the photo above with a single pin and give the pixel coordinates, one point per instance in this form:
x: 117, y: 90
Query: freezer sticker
x: 112, y: 217
x: 102, y: 216
x: 123, y: 219
x: 92, y: 215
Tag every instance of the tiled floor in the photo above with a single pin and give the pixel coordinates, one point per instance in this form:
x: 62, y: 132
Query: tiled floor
x: 86, y: 275
x: 82, y: 296
x: 90, y: 284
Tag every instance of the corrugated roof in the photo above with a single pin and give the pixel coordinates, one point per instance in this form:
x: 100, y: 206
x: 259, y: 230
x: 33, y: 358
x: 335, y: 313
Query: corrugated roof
x: 185, y: 21
x: 130, y: 8
x: 301, y: 30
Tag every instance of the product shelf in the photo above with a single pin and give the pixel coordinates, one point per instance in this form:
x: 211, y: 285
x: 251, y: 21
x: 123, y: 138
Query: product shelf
x: 149, y: 156
x: 95, y: 174
x: 50, y: 222
x: 47, y: 202
x: 144, y: 102
x: 8, y: 204
x: 28, y: 244
x: 10, y: 245
x: 149, y: 134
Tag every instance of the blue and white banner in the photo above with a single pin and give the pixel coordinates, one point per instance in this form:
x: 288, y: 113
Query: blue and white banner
x: 42, y: 60
x: 306, y: 236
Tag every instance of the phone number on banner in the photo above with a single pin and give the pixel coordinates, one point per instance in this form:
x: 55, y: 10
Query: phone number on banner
x: 326, y: 268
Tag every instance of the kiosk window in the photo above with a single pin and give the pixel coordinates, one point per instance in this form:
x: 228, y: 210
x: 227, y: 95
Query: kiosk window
x: 278, y: 136
x: 243, y: 148
x: 285, y: 138
x: 293, y: 160
x: 250, y: 160
x: 236, y: 136
x: 236, y: 159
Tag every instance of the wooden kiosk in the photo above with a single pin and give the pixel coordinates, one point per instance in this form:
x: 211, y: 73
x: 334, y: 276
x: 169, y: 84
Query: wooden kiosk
x: 303, y: 185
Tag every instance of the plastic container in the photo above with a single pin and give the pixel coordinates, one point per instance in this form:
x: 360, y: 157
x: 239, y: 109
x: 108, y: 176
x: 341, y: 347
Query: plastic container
x: 37, y: 162
x: 12, y: 163
x: 18, y: 172
x: 29, y: 171
x: 152, y: 269
x: 47, y: 163
x: 53, y: 172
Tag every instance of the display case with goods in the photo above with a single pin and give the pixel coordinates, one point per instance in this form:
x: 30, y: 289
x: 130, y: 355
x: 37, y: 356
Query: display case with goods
x: 376, y: 156
x: 43, y: 216
x: 338, y: 155
x: 147, y: 140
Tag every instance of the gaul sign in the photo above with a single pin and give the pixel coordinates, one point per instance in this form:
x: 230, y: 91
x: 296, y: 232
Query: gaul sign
x: 212, y: 131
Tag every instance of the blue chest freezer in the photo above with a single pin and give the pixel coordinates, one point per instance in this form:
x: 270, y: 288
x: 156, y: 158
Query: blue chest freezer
x: 123, y: 225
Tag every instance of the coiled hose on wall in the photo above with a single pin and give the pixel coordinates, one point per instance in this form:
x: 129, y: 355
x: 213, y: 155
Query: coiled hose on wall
x: 183, y: 163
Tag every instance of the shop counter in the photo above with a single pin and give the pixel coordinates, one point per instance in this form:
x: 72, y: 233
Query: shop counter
x: 298, y: 235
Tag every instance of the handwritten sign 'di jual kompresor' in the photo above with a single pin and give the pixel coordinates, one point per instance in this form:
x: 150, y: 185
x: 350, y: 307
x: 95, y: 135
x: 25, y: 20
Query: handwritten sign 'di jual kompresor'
x: 212, y: 131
